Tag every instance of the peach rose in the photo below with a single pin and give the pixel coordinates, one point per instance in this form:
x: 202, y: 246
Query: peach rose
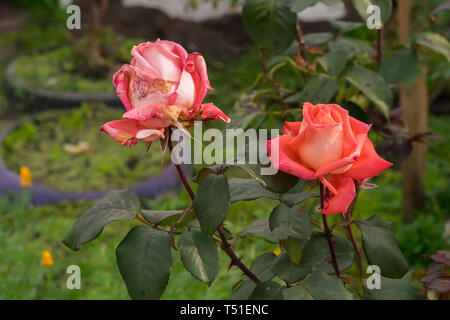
x: 163, y: 86
x: 331, y: 146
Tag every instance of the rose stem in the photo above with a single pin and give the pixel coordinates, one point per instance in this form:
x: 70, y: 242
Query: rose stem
x: 234, y: 259
x: 225, y: 245
x: 348, y: 217
x: 328, y: 233
x: 380, y: 47
x: 179, y: 169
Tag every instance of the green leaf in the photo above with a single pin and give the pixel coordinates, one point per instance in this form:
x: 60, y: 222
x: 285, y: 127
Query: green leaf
x: 373, y: 86
x: 385, y: 8
x: 144, y: 260
x: 249, y: 189
x: 212, y: 202
x: 293, y: 247
x: 269, y: 23
x: 319, y: 89
x: 267, y: 291
x: 291, y: 199
x: 296, y: 293
x: 394, y: 289
x: 334, y: 62
x: 246, y: 108
x: 216, y: 169
x: 351, y: 46
x: 345, y: 26
x: 260, y: 229
x: 280, y: 182
x: 381, y: 248
x: 398, y: 66
x: 285, y: 222
x: 300, y: 5
x: 199, y: 255
x: 321, y: 286
x: 435, y: 42
x: 116, y: 205
x: 286, y: 270
x: 259, y: 267
x: 317, y: 38
x: 167, y: 217
x: 317, y: 253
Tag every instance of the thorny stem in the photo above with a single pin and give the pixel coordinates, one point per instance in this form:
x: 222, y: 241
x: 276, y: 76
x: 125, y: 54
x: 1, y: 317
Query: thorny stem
x: 262, y: 59
x: 225, y: 245
x: 328, y: 233
x: 234, y: 259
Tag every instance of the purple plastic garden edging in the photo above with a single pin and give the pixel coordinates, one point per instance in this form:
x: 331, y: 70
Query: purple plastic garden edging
x: 40, y: 195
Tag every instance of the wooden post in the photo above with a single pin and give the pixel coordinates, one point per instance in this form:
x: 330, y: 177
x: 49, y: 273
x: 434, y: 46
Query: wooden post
x: 414, y: 101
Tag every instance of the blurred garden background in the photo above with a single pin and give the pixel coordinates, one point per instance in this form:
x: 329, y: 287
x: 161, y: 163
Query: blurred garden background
x: 56, y: 92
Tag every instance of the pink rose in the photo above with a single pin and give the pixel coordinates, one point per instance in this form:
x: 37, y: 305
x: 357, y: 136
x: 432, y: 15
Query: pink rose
x: 163, y: 86
x: 331, y: 146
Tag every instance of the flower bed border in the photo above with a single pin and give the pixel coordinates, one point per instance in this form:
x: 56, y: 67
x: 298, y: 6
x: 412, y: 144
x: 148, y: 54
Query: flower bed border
x: 36, y: 98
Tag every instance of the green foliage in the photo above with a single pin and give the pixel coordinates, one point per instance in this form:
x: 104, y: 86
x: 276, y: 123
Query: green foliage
x: 144, y: 260
x: 435, y: 42
x: 318, y: 286
x: 380, y: 247
x: 394, y: 289
x: 115, y: 205
x: 398, y: 66
x: 199, y: 255
x: 269, y: 23
x: 212, y: 202
x: 424, y: 236
x: 373, y: 86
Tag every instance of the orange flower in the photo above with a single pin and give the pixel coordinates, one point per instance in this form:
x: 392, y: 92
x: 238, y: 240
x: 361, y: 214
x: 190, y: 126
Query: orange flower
x: 47, y: 260
x: 25, y: 177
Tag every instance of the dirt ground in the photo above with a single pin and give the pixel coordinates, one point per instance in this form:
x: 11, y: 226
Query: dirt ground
x: 218, y: 37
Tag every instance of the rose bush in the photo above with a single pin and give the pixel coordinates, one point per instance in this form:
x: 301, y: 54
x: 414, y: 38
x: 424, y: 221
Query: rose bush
x: 163, y: 86
x: 331, y: 146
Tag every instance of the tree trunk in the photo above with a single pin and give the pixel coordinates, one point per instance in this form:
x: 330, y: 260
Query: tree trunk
x: 414, y: 101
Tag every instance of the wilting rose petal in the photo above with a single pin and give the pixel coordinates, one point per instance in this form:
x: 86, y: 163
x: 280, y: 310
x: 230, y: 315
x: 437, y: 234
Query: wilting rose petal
x: 162, y: 86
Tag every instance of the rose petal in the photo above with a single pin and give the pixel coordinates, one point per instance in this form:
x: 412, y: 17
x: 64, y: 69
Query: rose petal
x: 166, y: 58
x: 144, y: 112
x: 339, y: 203
x: 186, y: 91
x: 209, y: 111
x: 369, y: 163
x: 150, y: 134
x: 122, y: 131
x: 121, y: 80
x: 196, y: 66
x: 292, y: 128
x: 284, y: 159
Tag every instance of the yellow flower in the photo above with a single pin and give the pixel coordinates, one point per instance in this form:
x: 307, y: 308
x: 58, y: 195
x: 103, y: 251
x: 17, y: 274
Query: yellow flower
x: 25, y: 177
x: 277, y: 252
x: 47, y: 260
